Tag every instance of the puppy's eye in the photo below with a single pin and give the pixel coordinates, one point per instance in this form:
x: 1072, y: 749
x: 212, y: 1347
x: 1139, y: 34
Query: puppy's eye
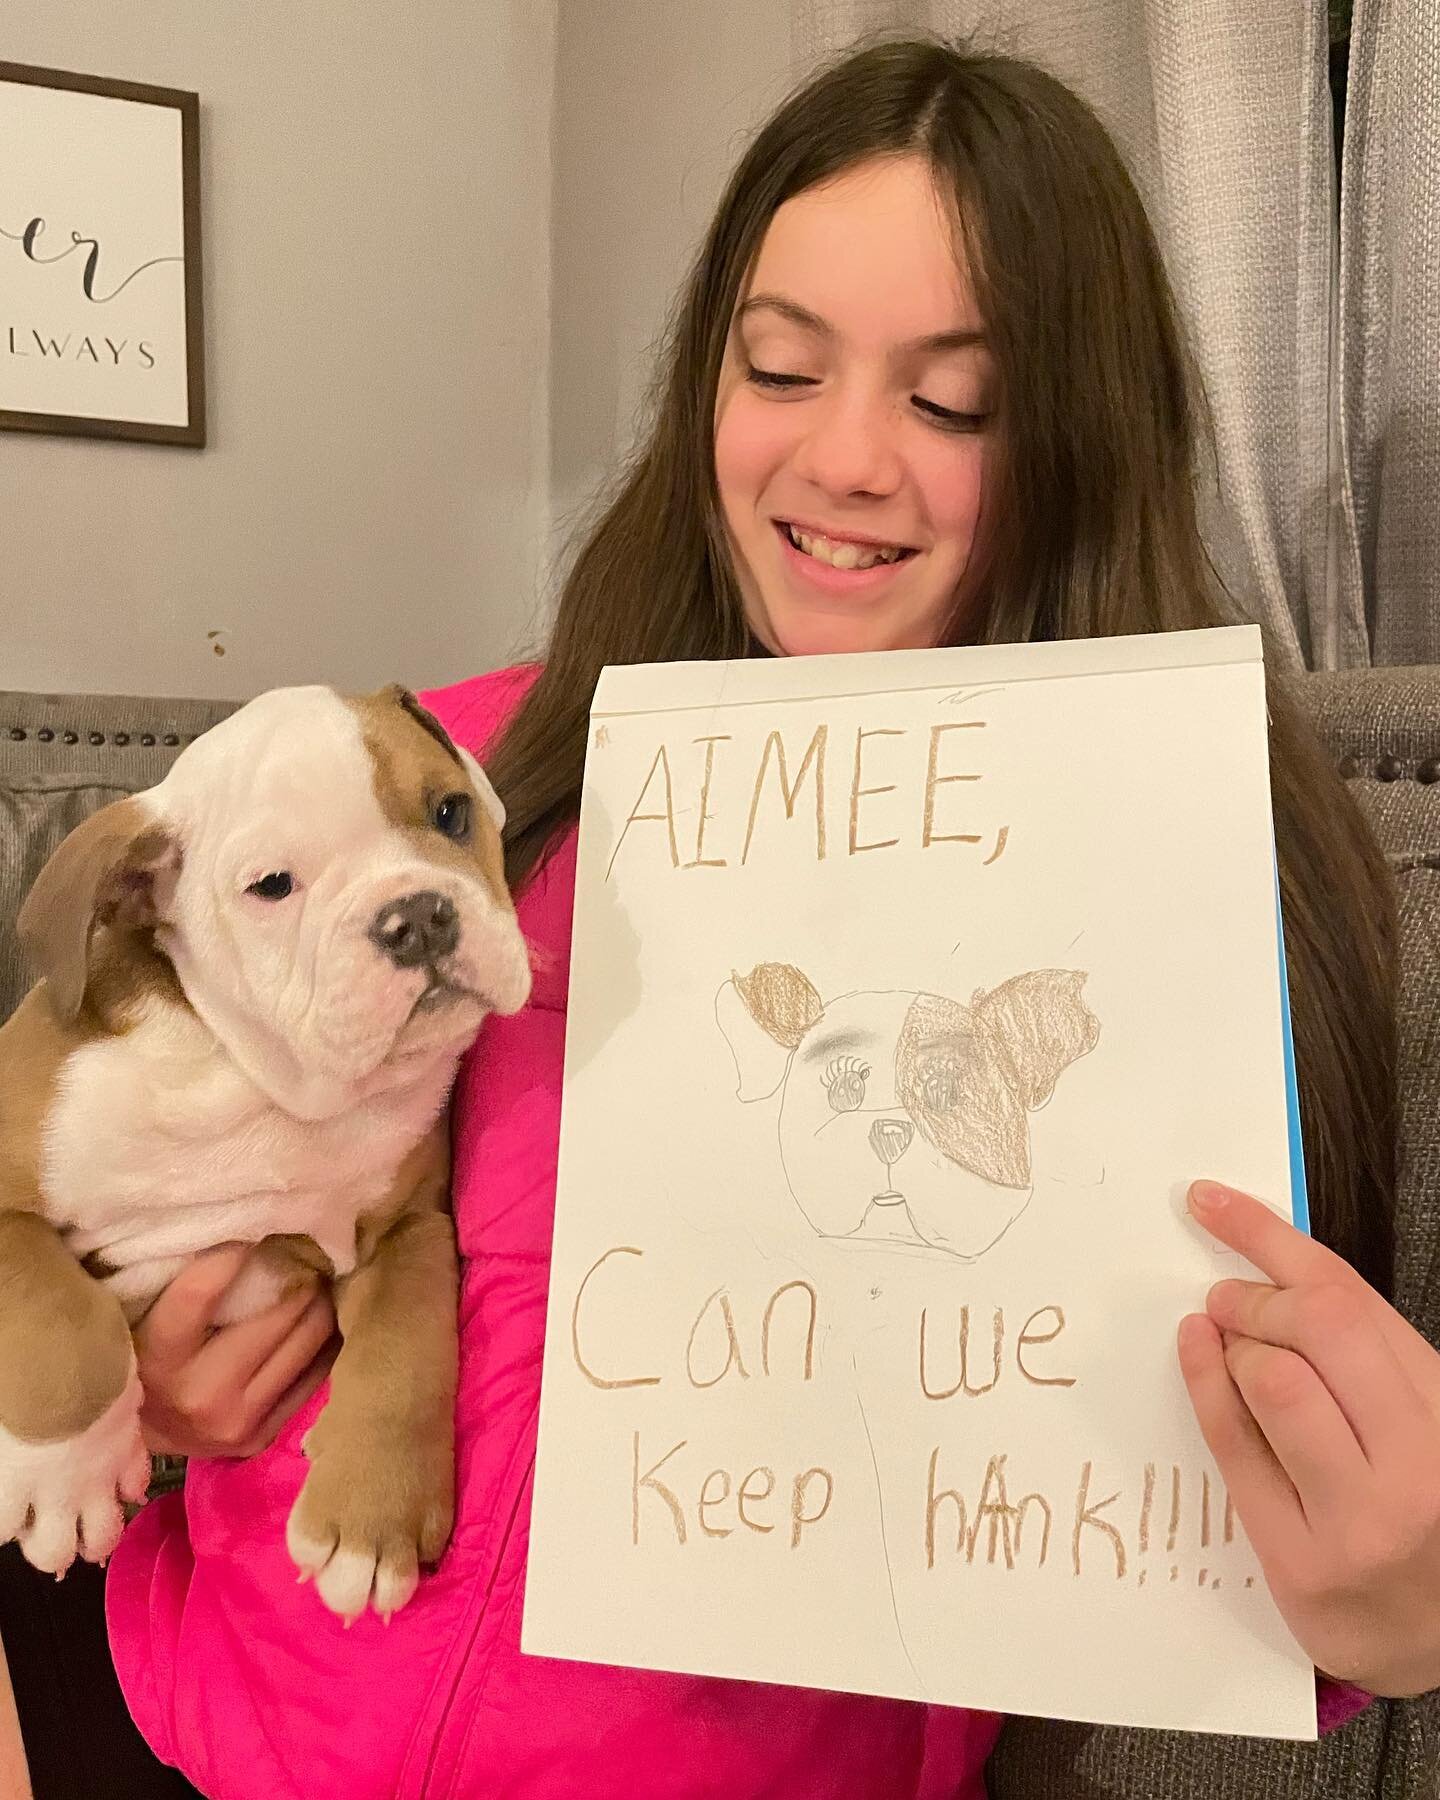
x: 452, y: 817
x: 845, y: 1080
x: 278, y: 886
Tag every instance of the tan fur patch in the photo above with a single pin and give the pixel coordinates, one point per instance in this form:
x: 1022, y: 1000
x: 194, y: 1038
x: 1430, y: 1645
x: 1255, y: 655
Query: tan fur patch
x: 34, y: 1043
x: 64, y: 1344
x: 382, y: 1451
x: 102, y: 877
x: 413, y: 772
x: 296, y: 1260
x: 422, y: 1184
x: 126, y: 970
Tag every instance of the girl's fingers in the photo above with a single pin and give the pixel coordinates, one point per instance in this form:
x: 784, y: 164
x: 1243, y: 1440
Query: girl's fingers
x: 295, y: 1396
x: 1291, y: 1259
x: 178, y: 1323
x: 292, y: 1357
x: 1304, y: 1428
x: 1337, y: 1334
x: 1264, y: 1494
x: 235, y: 1354
x: 1246, y: 1224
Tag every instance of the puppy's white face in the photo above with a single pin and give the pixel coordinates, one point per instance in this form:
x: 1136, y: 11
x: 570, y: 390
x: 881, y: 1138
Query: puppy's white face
x: 340, y: 904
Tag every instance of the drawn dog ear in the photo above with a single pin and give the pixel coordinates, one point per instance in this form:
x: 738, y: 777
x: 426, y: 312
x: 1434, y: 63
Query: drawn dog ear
x: 118, y: 868
x: 763, y: 1016
x: 1044, y: 1026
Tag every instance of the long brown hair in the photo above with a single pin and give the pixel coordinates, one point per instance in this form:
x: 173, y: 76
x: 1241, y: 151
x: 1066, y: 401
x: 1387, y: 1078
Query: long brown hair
x: 1090, y: 523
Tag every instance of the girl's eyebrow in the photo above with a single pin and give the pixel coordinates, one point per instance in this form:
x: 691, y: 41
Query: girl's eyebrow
x: 809, y: 321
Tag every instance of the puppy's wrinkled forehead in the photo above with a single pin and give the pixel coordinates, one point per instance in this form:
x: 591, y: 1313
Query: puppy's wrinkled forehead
x: 339, y: 771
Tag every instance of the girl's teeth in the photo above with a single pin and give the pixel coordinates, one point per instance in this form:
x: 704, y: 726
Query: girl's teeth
x: 841, y: 555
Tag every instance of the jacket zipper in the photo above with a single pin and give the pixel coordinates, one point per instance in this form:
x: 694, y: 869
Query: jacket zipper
x: 498, y: 1562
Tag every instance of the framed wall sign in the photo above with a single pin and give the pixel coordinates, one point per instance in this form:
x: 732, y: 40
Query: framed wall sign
x: 101, y: 328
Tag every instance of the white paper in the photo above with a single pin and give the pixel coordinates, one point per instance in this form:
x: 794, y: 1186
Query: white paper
x: 1098, y: 823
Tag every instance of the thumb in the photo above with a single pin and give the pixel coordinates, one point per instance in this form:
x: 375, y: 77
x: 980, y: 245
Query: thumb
x: 179, y: 1321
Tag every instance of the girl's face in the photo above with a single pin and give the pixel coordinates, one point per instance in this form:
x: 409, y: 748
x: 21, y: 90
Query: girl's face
x: 852, y: 418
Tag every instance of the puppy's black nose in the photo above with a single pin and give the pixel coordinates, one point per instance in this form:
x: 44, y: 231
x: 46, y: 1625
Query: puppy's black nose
x: 419, y: 929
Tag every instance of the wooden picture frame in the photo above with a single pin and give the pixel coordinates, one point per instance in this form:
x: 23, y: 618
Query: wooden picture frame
x: 105, y: 337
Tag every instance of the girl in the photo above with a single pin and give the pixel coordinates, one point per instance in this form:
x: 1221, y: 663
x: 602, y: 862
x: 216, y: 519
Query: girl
x: 925, y: 386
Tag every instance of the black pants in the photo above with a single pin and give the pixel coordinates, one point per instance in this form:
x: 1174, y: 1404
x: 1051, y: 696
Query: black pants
x: 79, y: 1738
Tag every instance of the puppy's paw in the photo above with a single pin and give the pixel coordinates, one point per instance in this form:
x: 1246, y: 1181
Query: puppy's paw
x: 375, y: 1506
x: 66, y: 1496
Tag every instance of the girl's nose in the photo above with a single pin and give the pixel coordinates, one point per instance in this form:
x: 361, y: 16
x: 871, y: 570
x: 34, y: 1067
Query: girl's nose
x: 848, y: 449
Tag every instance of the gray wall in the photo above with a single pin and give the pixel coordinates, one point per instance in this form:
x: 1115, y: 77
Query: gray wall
x: 372, y: 504
x: 441, y: 243
x: 653, y: 102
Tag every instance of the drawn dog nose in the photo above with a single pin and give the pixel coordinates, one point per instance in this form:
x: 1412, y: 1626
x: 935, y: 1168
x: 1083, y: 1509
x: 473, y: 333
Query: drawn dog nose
x: 890, y: 1139
x: 417, y: 930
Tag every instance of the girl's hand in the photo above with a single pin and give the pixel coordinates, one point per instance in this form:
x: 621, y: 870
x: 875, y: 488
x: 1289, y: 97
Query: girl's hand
x: 1322, y: 1408
x: 227, y: 1390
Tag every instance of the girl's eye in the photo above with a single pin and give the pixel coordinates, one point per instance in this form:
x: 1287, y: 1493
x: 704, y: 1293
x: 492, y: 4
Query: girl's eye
x: 769, y: 378
x: 278, y: 886
x: 949, y: 420
x: 945, y: 417
x: 845, y: 1082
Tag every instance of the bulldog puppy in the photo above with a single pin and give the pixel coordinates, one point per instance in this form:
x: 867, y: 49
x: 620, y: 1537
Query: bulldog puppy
x: 258, y: 978
x: 904, y: 1117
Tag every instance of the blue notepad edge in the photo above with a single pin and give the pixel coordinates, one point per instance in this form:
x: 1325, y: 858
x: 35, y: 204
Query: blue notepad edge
x: 1299, y: 1191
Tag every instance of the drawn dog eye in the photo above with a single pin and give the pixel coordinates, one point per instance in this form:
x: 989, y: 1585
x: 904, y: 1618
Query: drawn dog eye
x: 940, y: 1088
x: 845, y: 1080
x: 278, y: 886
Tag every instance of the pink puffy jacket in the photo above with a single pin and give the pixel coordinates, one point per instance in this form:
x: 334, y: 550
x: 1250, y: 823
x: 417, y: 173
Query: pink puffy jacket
x: 241, y: 1678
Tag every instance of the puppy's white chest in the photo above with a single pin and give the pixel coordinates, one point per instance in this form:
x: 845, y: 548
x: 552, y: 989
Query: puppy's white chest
x: 158, y: 1147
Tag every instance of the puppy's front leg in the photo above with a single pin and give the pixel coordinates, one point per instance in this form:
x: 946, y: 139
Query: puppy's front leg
x: 379, y: 1498
x: 71, y: 1452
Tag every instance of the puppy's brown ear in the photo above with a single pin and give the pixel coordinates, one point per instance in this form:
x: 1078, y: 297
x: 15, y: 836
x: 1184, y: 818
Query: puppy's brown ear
x: 763, y: 1016
x: 1044, y: 1025
x: 119, y: 867
x: 423, y: 717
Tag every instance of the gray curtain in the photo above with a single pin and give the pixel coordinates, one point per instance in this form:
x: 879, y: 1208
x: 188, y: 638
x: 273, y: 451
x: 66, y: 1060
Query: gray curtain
x: 1315, y: 324
x: 1390, y: 293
